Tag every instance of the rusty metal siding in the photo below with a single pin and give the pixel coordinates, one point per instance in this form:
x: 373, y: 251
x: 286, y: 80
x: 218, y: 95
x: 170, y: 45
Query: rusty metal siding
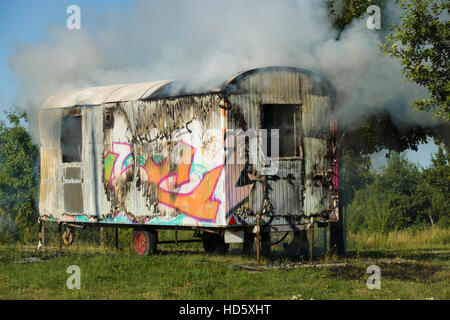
x: 50, y: 189
x: 278, y: 87
x: 317, y: 146
x: 316, y: 166
x: 154, y: 130
x: 239, y: 189
x: 292, y: 191
x: 271, y: 87
x: 72, y: 174
x: 124, y: 198
x: 94, y: 199
x: 73, y: 199
x: 127, y: 144
x: 285, y: 190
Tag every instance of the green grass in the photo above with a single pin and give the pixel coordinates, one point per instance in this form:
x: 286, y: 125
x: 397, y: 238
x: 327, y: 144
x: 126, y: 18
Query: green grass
x: 186, y: 272
x: 404, y: 239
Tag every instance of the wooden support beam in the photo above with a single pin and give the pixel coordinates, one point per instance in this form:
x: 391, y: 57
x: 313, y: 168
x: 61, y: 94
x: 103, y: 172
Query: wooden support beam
x: 258, y: 238
x: 337, y: 228
x: 43, y: 233
x: 101, y: 236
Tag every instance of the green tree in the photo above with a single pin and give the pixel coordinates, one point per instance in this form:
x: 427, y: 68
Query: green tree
x: 436, y: 188
x: 422, y: 44
x: 379, y: 131
x: 393, y: 201
x: 18, y: 181
x: 355, y: 174
x: 350, y: 9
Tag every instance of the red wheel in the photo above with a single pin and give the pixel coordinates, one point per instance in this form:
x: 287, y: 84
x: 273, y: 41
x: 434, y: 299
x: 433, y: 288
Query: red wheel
x: 140, y: 243
x: 144, y: 242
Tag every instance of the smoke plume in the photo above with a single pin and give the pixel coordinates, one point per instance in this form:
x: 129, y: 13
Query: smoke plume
x: 205, y: 42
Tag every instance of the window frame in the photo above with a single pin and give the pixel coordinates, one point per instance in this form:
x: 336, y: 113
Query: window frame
x: 296, y: 128
x: 80, y: 153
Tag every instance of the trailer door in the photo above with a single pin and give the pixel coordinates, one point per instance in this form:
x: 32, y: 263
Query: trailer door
x: 285, y: 187
x: 72, y: 180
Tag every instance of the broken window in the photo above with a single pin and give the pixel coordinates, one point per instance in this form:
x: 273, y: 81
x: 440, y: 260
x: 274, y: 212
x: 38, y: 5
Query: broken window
x: 71, y: 139
x: 284, y: 118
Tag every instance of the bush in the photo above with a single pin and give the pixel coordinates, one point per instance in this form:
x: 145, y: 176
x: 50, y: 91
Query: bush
x: 402, y: 196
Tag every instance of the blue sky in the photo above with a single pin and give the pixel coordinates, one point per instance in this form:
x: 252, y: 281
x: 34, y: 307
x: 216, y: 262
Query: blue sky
x: 421, y: 156
x: 26, y: 21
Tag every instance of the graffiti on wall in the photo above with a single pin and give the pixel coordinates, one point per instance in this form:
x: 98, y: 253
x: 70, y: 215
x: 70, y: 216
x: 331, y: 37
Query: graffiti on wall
x: 179, y: 189
x: 117, y: 161
x: 208, y: 184
x: 186, y: 187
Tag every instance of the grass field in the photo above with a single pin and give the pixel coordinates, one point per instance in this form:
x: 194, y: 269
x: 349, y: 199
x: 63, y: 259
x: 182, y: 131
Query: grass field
x: 414, y: 265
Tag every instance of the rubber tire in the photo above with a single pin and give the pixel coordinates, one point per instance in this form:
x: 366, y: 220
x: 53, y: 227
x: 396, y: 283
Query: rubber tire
x: 68, y: 236
x: 149, y: 237
x: 215, y: 244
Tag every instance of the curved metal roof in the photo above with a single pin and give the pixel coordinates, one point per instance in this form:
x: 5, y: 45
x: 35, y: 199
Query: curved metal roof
x: 106, y: 94
x: 153, y: 89
x: 229, y: 84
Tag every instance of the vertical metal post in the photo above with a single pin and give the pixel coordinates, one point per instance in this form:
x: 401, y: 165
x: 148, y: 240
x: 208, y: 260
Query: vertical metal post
x: 311, y: 240
x: 258, y: 238
x: 258, y: 219
x: 344, y: 209
x: 337, y: 227
x: 116, y: 237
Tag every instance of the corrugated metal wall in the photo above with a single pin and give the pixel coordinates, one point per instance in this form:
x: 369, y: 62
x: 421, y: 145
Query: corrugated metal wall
x: 50, y: 189
x: 126, y: 145
x: 113, y: 184
x: 292, y: 192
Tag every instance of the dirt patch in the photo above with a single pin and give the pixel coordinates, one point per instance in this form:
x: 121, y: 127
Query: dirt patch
x: 283, y: 266
x: 28, y: 256
x: 406, y: 271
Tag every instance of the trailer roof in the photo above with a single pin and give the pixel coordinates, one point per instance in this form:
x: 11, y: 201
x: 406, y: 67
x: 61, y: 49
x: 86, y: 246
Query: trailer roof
x: 230, y: 85
x: 149, y: 90
x: 106, y: 94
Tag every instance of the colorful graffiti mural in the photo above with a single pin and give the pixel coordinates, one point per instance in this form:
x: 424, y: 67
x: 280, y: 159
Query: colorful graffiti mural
x: 117, y: 161
x: 198, y: 202
x: 184, y: 186
x: 130, y: 176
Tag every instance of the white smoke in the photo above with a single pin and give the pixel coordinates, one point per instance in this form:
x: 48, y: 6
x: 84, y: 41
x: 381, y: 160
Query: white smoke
x: 205, y: 42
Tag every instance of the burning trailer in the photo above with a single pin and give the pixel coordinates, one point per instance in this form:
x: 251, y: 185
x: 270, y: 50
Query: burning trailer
x: 255, y: 156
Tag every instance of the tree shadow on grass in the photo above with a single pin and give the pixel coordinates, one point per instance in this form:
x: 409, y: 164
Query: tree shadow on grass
x: 405, y: 271
x: 424, y: 255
